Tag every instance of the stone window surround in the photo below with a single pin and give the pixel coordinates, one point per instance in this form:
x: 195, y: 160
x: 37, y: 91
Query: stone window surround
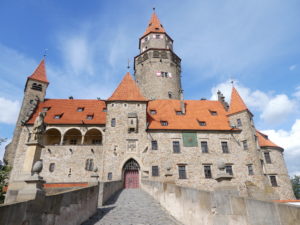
x: 207, y: 166
x: 182, y: 170
x: 179, y: 145
x: 250, y: 169
x: 273, y: 180
x: 155, y: 171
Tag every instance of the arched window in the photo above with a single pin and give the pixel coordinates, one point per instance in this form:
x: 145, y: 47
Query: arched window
x: 52, y: 137
x: 72, y: 137
x: 170, y: 94
x: 37, y: 87
x: 93, y: 137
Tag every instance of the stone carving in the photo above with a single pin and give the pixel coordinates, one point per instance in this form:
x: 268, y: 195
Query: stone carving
x: 38, y: 127
x: 37, y: 167
x: 222, y: 175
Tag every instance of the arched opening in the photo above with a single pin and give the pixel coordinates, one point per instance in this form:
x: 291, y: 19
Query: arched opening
x: 93, y: 137
x: 72, y: 137
x: 52, y: 137
x: 131, y: 174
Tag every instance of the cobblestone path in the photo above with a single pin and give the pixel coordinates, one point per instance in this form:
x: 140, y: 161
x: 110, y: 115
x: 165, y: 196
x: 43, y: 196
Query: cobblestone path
x: 132, y: 207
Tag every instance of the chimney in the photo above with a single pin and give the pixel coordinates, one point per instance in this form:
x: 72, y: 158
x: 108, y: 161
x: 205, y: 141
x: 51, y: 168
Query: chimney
x: 182, y: 104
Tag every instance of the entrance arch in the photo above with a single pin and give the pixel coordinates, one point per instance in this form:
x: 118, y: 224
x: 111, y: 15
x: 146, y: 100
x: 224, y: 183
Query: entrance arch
x: 131, y: 174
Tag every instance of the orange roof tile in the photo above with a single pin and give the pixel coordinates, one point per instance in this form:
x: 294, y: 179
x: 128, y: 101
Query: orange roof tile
x: 127, y: 91
x: 40, y: 73
x: 236, y: 103
x: 196, y: 110
x: 68, y: 109
x: 264, y: 141
x: 154, y: 25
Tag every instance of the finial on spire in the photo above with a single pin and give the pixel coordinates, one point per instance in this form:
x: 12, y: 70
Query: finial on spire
x: 153, y: 9
x: 128, y: 65
x: 45, y: 53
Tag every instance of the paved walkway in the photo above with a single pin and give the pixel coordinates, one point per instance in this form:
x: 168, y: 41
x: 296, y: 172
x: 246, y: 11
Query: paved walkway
x: 132, y: 207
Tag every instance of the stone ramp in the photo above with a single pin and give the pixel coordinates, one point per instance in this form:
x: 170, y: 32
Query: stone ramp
x: 132, y: 207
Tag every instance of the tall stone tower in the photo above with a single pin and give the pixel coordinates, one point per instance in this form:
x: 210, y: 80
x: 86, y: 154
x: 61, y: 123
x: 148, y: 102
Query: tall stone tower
x: 157, y: 67
x: 34, y: 92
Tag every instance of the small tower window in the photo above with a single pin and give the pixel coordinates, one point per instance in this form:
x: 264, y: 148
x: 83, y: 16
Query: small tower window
x: 80, y: 109
x: 239, y: 122
x: 157, y: 36
x: 37, y: 87
x: 245, y: 145
x: 267, y: 157
x: 273, y: 181
x: 170, y: 94
x: 250, y: 169
x: 113, y: 122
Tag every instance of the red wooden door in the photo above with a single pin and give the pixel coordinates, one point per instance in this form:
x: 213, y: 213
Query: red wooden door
x: 131, y: 179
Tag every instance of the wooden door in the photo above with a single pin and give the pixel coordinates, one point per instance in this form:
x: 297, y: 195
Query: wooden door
x: 131, y: 179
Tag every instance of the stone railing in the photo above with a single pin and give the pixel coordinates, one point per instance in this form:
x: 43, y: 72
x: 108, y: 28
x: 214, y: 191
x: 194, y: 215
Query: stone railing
x: 108, y: 189
x: 193, y: 207
x: 68, y: 208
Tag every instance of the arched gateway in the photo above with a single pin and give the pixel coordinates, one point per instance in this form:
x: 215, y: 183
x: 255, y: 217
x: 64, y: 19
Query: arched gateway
x: 131, y: 174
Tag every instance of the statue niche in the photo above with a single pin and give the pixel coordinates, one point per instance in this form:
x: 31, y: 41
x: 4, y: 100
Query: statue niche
x: 39, y: 128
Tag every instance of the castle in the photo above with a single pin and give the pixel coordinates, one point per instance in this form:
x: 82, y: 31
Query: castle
x: 145, y: 130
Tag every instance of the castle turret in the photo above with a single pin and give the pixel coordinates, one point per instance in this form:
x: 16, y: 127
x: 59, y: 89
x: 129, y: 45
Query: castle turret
x: 157, y: 67
x: 34, y: 92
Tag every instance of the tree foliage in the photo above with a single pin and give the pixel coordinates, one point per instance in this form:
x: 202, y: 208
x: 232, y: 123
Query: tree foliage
x: 296, y: 186
x: 4, y: 174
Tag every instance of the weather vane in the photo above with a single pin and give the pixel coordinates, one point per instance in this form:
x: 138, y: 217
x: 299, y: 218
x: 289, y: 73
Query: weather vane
x: 153, y: 8
x: 128, y: 65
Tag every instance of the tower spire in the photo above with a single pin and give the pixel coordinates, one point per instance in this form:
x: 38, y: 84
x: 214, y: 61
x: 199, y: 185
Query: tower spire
x: 40, y: 72
x: 154, y: 25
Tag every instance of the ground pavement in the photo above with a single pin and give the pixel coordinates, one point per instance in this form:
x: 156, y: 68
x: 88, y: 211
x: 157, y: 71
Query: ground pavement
x: 132, y: 207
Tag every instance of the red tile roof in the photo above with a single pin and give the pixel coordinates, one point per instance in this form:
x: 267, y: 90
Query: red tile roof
x: 264, y: 141
x: 127, y: 91
x: 154, y: 25
x: 40, y: 73
x: 68, y: 109
x: 196, y: 110
x: 236, y: 104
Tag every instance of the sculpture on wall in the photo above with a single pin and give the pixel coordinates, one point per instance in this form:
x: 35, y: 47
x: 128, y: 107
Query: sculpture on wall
x: 38, y: 127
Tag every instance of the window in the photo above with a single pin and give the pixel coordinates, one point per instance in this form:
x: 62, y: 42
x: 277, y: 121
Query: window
x: 176, y: 147
x: 89, y: 117
x: 37, y: 87
x: 109, y: 176
x: 155, y: 171
x: 146, y: 38
x: 51, y: 167
x: 170, y: 94
x: 157, y: 36
x: 96, y: 142
x: 45, y: 109
x: 154, y: 145
x: 104, y: 110
x: 224, y: 147
x: 73, y: 142
x: 267, y: 157
x: 245, y: 145
x: 202, y: 123
x: 113, y: 122
x: 239, y: 122
x: 164, y: 123
x: 213, y: 113
x: 207, y: 171
x: 80, y: 109
x: 57, y: 116
x: 250, y: 169
x: 228, y: 169
x: 179, y: 113
x: 273, y: 181
x: 156, y: 54
x: 89, y: 164
x: 204, y: 147
x: 182, y: 172
x: 152, y: 112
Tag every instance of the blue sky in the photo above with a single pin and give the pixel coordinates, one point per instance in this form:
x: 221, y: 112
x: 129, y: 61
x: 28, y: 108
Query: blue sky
x: 254, y: 42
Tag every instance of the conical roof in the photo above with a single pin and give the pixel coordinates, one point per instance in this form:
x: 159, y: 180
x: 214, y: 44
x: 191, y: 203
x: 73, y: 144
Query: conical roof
x: 236, y: 103
x: 154, y: 25
x: 40, y: 73
x: 127, y: 91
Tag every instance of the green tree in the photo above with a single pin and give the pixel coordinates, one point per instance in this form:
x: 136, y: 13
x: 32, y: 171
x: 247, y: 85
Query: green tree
x: 4, y: 173
x: 296, y: 186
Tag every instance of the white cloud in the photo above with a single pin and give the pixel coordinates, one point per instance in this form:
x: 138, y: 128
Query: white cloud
x: 274, y: 109
x: 2, y: 148
x: 290, y: 141
x: 8, y: 110
x: 297, y: 93
x: 292, y: 67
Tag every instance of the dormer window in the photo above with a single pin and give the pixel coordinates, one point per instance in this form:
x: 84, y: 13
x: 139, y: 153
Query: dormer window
x: 179, y: 113
x: 104, y: 110
x: 57, y: 116
x: 202, y: 123
x: 213, y: 113
x: 153, y: 112
x: 164, y: 123
x: 45, y: 109
x: 89, y: 117
x: 80, y: 109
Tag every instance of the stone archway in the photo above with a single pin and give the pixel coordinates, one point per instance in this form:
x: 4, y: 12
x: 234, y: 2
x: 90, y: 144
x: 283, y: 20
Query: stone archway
x: 131, y: 174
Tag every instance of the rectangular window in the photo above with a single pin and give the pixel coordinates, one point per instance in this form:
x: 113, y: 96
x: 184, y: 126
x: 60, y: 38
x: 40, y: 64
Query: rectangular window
x: 239, y: 122
x: 267, y: 157
x: 104, y: 110
x: 58, y: 116
x: 250, y: 169
x: 113, y: 122
x: 89, y: 164
x: 80, y: 109
x: 157, y: 36
x: 45, y: 109
x: 109, y: 176
x: 179, y: 113
x: 152, y: 112
x: 155, y: 171
x: 204, y: 147
x: 245, y: 145
x: 213, y: 113
x: 164, y: 123
x: 154, y: 145
x: 224, y: 147
x: 176, y: 147
x: 89, y: 117
x: 273, y: 181
x: 182, y: 172
x: 207, y: 171
x: 202, y: 123
x: 228, y: 169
